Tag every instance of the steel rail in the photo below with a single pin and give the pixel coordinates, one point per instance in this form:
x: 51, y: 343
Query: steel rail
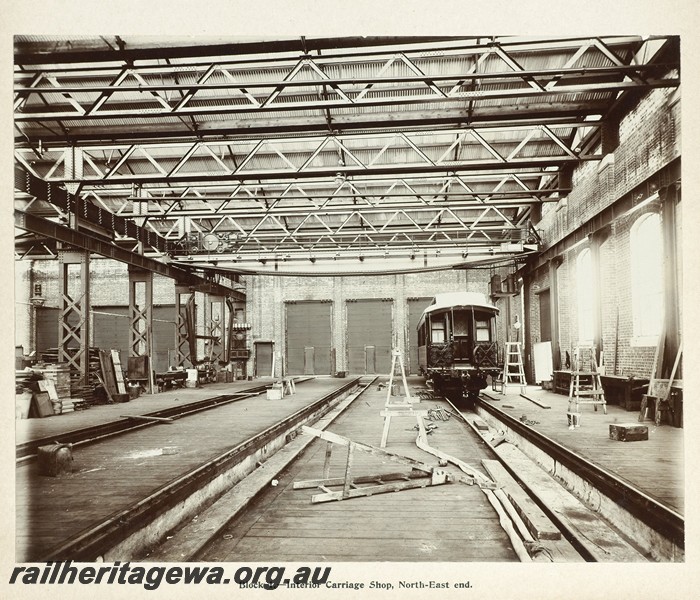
x: 99, y: 538
x: 652, y: 513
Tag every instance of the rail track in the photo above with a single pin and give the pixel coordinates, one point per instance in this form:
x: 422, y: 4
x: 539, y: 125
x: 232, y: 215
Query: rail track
x: 179, y: 498
x: 126, y: 532
x: 95, y: 433
x: 632, y: 511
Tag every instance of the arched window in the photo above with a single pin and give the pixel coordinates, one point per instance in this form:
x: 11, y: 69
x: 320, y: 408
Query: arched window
x: 585, y: 296
x: 647, y: 266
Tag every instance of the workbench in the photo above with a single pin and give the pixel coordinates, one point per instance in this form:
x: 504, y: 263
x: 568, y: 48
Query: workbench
x: 171, y: 379
x: 625, y: 391
x: 561, y: 381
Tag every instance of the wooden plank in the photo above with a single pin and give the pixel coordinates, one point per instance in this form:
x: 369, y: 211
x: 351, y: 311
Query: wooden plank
x: 49, y: 386
x: 538, y: 402
x: 147, y: 418
x: 378, y: 489
x: 331, y: 481
x: 538, y: 524
x: 41, y: 403
x: 406, y: 412
x: 108, y: 380
x: 342, y: 441
x: 587, y: 527
x: 118, y: 373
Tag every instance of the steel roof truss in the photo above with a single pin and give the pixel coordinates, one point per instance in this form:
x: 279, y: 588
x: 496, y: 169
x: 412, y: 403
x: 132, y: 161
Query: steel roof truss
x: 79, y: 113
x: 512, y: 63
x: 183, y: 153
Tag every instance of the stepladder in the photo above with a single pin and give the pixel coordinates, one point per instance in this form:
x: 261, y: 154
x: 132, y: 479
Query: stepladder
x: 397, y: 363
x: 401, y: 407
x: 513, y: 372
x: 585, y: 386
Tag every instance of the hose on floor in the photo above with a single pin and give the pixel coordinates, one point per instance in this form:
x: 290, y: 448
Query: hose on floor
x: 500, y: 502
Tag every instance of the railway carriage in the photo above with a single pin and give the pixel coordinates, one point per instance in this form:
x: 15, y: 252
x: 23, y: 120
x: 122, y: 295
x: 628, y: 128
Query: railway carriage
x: 457, y: 348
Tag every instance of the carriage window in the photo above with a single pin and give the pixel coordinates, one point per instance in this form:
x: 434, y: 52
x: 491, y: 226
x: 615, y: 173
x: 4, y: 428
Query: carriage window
x: 483, y: 331
x: 437, y: 332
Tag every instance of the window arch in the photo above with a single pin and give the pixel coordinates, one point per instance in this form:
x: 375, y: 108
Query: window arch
x: 585, y: 295
x: 647, y: 270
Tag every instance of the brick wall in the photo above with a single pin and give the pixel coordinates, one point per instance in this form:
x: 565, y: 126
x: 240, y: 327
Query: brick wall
x: 266, y: 296
x: 109, y: 286
x: 649, y: 141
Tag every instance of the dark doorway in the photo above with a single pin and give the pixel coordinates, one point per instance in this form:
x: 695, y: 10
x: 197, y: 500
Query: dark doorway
x: 545, y: 317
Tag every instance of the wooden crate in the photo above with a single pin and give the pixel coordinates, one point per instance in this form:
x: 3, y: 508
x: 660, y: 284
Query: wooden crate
x: 628, y: 432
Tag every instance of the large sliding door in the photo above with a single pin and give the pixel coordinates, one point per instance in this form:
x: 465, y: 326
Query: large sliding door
x: 309, y: 338
x: 369, y: 335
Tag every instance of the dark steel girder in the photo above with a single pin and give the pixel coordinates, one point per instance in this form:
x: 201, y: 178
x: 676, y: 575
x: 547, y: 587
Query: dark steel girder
x: 459, y: 97
x: 584, y: 73
x: 296, y: 211
x: 432, y: 121
x: 57, y: 195
x: 347, y: 171
x: 78, y: 239
x: 95, y: 51
x: 516, y: 196
x: 32, y: 53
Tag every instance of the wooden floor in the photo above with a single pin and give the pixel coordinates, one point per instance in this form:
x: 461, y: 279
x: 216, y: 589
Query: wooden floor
x: 452, y: 522
x: 27, y: 430
x: 654, y: 466
x: 109, y: 476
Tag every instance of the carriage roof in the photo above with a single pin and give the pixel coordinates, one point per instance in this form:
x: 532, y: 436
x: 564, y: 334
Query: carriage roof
x: 458, y: 300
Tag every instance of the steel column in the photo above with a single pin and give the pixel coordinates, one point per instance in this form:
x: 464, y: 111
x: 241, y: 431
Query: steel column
x: 216, y: 329
x: 141, y: 317
x: 183, y: 356
x: 74, y: 311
